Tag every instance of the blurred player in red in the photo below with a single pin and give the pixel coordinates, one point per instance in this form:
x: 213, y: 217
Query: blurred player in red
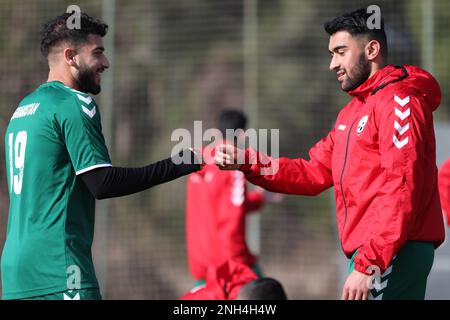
x: 444, y: 188
x: 236, y: 281
x: 216, y: 209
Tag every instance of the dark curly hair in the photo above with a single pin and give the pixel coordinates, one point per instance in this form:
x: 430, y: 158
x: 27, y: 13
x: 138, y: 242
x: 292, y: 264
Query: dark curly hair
x: 355, y: 23
x: 232, y: 119
x: 262, y: 289
x: 56, y: 31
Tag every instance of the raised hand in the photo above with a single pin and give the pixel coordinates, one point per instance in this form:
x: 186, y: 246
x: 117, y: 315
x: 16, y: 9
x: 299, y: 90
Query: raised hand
x: 229, y: 157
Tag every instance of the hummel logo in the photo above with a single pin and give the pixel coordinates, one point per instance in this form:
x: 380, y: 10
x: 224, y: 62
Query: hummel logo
x: 76, y: 297
x: 400, y: 144
x: 379, y: 297
x: 237, y: 189
x: 90, y: 113
x: 401, y: 102
x: 387, y: 272
x: 401, y: 130
x: 402, y: 115
x: 86, y: 100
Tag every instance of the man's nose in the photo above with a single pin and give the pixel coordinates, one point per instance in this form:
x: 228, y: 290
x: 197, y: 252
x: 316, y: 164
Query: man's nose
x: 106, y: 63
x: 334, y: 64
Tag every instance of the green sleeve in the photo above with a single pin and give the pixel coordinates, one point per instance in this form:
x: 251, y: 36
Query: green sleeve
x: 82, y: 133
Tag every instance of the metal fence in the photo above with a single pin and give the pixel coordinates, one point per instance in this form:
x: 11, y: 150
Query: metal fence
x: 177, y: 61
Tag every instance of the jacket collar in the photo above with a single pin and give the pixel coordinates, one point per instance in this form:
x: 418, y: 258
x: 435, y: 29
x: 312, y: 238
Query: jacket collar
x: 379, y: 80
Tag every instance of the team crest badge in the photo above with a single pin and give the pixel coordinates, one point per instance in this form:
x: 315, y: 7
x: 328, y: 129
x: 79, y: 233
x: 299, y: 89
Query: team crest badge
x: 361, y: 125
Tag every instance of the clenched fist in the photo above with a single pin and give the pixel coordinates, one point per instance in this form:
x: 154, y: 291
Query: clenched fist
x: 229, y: 157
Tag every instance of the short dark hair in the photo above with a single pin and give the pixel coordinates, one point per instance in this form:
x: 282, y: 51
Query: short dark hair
x: 262, y: 289
x: 355, y: 23
x: 232, y: 119
x: 56, y: 31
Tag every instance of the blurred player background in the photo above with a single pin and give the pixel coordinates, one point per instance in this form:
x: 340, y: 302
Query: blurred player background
x: 174, y: 62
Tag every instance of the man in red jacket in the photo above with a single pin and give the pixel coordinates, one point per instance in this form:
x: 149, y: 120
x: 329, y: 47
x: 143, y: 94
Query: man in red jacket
x: 381, y: 159
x: 444, y: 188
x: 217, y: 203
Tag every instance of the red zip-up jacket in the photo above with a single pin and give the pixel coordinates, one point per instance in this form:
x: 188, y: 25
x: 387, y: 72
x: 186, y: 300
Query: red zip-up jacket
x: 444, y: 188
x: 381, y: 159
x: 217, y: 203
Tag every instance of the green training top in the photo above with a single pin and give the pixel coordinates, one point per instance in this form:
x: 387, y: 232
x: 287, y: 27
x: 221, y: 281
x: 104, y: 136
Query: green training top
x: 53, y: 136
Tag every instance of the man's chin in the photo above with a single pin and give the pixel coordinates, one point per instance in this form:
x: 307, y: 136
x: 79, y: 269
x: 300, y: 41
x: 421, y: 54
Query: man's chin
x: 343, y: 86
x: 89, y: 83
x: 347, y: 87
x: 96, y: 90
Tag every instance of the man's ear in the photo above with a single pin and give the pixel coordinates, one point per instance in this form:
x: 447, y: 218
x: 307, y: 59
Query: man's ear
x: 373, y: 50
x: 70, y: 57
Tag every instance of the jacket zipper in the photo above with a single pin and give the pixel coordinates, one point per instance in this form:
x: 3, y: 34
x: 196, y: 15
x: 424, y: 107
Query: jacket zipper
x: 342, y: 177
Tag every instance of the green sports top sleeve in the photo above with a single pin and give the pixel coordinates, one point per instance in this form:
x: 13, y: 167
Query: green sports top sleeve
x: 82, y: 133
x: 53, y: 136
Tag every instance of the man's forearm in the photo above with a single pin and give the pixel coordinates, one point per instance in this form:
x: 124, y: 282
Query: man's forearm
x: 116, y: 181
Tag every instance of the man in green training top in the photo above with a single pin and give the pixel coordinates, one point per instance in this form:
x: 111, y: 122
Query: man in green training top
x: 57, y: 164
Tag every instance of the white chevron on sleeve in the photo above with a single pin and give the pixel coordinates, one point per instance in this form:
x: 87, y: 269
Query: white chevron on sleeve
x: 237, y: 195
x: 381, y: 286
x: 402, y: 115
x: 400, y: 144
x: 387, y: 272
x: 379, y: 297
x: 238, y: 189
x: 90, y: 113
x: 237, y: 201
x: 76, y: 297
x: 401, y: 129
x: 86, y: 100
x: 400, y: 101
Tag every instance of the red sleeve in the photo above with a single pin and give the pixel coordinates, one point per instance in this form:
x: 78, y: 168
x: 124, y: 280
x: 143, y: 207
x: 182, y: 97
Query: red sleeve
x: 293, y: 176
x: 444, y: 188
x: 405, y: 129
x: 254, y: 200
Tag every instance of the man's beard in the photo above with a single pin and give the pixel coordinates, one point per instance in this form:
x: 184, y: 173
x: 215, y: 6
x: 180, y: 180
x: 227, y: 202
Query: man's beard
x: 86, y: 80
x: 359, y: 73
